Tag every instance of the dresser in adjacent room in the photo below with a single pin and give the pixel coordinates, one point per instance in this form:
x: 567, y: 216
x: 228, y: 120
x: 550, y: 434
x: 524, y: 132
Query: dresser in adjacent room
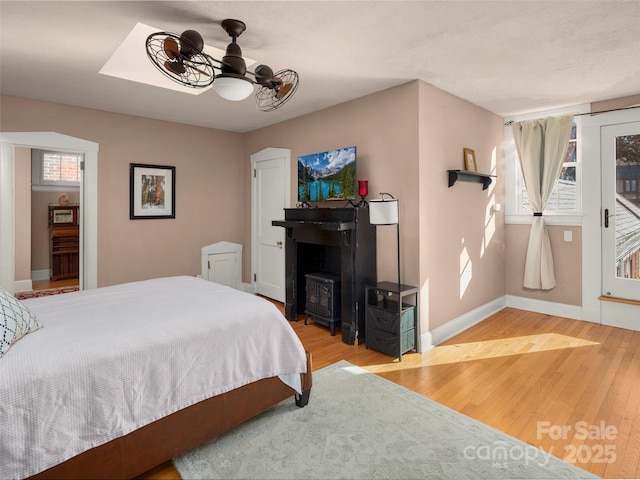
x: 64, y: 242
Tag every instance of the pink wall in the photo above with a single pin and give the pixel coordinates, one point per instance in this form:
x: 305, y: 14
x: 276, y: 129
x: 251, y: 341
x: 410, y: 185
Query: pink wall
x: 383, y: 127
x: 209, y: 166
x: 407, y: 137
x: 461, y: 238
x: 453, y: 244
x: 615, y: 103
x: 567, y: 258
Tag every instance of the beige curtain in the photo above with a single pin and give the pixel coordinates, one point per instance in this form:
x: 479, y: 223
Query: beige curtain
x: 542, y: 146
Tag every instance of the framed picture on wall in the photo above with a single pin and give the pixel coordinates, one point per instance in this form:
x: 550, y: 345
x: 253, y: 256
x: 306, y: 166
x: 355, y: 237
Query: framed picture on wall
x: 470, y: 160
x: 152, y: 191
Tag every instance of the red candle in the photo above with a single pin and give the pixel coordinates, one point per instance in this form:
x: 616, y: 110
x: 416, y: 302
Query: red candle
x: 363, y: 188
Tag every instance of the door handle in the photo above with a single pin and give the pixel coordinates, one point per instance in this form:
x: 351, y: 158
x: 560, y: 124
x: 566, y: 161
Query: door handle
x: 279, y: 243
x: 606, y: 217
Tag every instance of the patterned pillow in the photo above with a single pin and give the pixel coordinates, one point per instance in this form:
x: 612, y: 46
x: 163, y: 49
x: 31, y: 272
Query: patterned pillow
x: 16, y: 321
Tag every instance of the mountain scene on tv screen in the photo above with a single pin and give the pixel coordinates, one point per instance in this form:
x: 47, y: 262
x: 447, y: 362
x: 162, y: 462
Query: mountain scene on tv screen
x: 327, y: 175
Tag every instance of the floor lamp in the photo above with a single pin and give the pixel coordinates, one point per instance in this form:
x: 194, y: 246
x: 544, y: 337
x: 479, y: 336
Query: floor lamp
x: 384, y: 211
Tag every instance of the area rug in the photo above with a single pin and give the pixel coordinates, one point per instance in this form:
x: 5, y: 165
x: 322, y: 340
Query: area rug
x: 360, y: 426
x: 45, y: 292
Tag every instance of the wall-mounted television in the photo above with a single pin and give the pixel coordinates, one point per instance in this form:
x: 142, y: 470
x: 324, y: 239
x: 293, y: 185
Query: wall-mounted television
x: 327, y: 175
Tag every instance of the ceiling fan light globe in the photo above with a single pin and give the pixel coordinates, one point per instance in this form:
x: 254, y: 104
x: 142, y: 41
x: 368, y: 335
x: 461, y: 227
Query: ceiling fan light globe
x: 232, y: 88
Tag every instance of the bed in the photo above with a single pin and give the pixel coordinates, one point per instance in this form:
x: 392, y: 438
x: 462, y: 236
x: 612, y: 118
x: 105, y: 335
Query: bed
x: 121, y: 379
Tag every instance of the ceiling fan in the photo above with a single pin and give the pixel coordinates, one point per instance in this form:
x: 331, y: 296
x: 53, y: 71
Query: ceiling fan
x: 181, y: 58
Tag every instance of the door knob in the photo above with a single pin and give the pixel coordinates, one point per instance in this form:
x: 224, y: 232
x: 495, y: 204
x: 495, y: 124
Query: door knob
x: 279, y: 243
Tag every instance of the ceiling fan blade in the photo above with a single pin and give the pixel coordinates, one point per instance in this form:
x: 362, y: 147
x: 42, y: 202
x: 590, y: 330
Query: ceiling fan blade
x: 277, y: 90
x: 193, y: 65
x: 284, y: 89
x: 171, y: 48
x: 200, y: 71
x: 176, y: 68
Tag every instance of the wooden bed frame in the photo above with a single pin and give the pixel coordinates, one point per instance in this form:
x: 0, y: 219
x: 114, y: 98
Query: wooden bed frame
x: 143, y: 449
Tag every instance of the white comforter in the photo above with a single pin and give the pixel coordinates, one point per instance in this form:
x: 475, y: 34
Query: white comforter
x: 113, y: 359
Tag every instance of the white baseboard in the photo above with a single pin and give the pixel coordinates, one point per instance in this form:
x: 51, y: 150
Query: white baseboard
x: 426, y: 342
x: 613, y: 314
x: 22, y: 286
x: 40, y: 274
x: 460, y: 324
x: 548, y: 308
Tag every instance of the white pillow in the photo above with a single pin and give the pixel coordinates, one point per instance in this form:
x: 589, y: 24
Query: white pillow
x: 16, y: 321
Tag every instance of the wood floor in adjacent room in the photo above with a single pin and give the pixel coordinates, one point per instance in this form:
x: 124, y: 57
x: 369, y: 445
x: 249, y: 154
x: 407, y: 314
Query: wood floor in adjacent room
x: 569, y: 387
x: 45, y: 284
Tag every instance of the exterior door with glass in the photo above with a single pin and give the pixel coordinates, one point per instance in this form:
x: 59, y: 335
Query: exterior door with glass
x: 620, y: 154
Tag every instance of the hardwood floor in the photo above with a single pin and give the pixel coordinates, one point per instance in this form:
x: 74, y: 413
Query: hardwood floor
x: 45, y: 284
x: 569, y: 387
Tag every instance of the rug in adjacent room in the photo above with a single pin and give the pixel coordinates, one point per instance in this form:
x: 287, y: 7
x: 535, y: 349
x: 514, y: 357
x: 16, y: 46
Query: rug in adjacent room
x: 45, y: 292
x: 360, y: 426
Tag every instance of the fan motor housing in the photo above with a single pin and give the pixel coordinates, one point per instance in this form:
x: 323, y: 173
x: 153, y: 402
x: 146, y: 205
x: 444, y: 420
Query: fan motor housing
x: 233, y: 62
x: 191, y: 42
x: 264, y: 76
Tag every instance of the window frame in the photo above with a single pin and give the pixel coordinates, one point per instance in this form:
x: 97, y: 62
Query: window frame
x: 37, y: 169
x: 514, y: 183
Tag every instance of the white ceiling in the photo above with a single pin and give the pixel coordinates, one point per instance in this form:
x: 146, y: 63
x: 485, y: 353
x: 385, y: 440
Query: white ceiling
x: 509, y: 57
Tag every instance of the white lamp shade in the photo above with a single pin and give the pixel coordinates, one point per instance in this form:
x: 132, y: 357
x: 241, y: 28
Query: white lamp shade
x: 383, y: 212
x: 231, y: 88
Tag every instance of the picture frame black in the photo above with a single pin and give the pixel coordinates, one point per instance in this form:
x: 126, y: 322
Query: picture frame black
x: 152, y: 191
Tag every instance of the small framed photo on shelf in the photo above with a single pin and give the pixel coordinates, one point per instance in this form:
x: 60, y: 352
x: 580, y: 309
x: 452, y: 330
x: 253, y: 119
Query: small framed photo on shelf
x: 152, y: 191
x: 470, y: 160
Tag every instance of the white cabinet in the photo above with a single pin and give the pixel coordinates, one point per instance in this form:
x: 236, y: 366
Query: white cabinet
x: 222, y: 263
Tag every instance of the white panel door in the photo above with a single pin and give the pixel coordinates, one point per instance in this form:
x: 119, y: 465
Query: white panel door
x: 620, y: 165
x: 270, y: 196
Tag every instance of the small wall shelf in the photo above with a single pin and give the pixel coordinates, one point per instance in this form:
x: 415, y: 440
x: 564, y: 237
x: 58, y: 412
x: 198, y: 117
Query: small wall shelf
x: 466, y: 176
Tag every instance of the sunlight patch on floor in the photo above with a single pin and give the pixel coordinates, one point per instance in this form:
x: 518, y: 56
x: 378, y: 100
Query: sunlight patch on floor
x: 465, y: 352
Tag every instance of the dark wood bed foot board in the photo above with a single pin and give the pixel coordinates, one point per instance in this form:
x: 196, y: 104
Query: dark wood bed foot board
x: 303, y: 400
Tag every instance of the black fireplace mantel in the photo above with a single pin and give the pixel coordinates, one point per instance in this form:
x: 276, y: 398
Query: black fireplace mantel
x: 338, y: 241
x: 338, y: 226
